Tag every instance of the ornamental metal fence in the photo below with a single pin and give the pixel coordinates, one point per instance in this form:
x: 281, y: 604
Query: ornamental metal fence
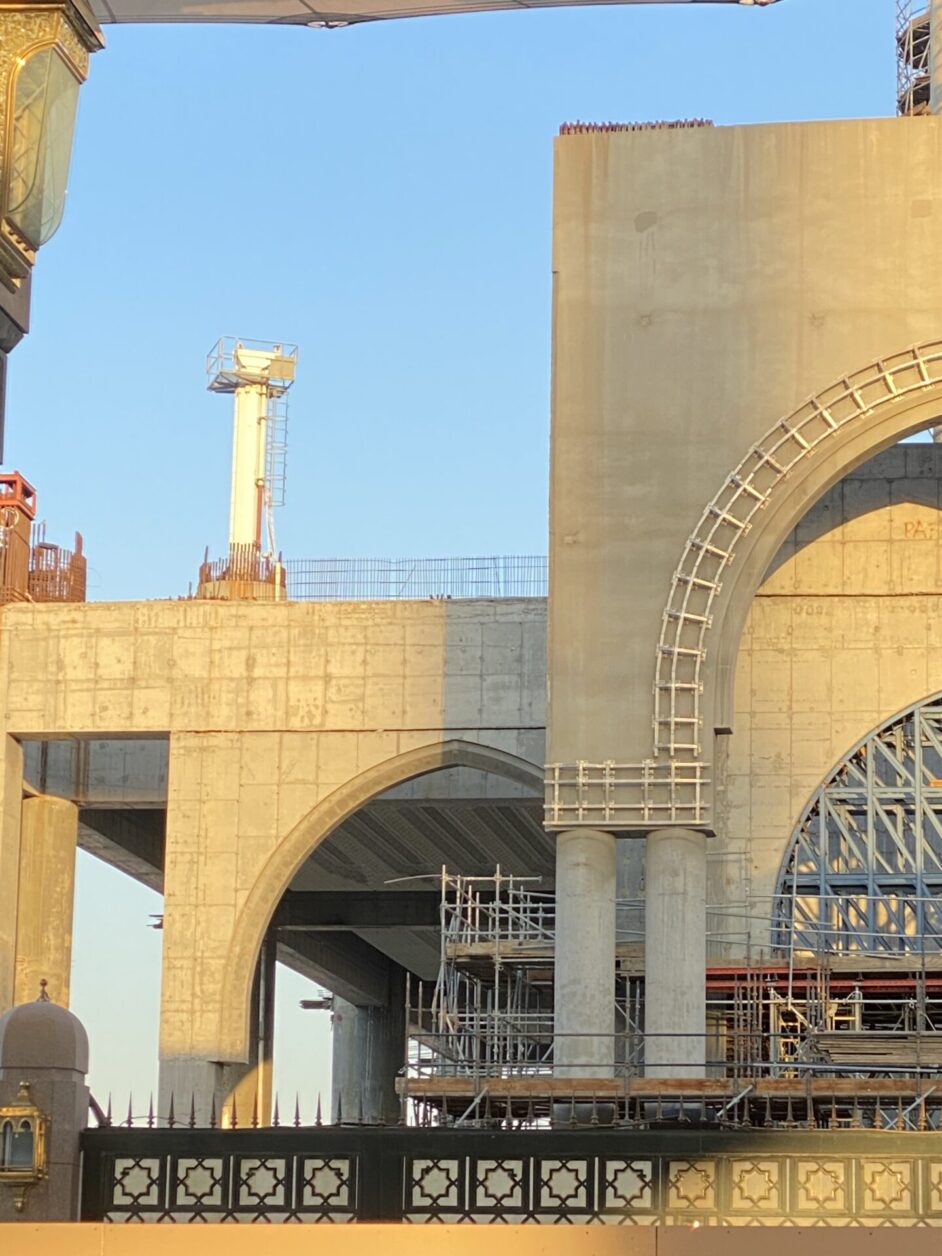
x: 606, y: 1176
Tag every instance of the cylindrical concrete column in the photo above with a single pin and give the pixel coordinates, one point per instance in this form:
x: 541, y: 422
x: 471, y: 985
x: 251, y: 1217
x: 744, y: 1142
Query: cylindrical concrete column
x: 585, y: 954
x: 935, y: 56
x: 675, y: 953
x: 368, y: 1053
x: 48, y: 837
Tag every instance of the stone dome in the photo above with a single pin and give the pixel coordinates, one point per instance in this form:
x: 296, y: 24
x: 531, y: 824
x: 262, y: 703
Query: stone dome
x: 42, y: 1035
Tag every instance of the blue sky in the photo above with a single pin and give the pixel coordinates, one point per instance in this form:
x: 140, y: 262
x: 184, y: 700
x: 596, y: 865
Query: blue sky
x: 380, y: 195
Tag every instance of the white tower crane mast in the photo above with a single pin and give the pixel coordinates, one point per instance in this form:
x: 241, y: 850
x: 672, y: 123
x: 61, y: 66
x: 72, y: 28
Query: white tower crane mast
x: 258, y: 374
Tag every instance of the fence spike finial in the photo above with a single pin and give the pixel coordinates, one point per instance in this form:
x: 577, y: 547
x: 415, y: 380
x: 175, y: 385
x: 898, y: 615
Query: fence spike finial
x: 130, y: 1120
x: 338, y: 1119
x: 275, y: 1119
x: 192, y: 1110
x: 297, y: 1111
x: 212, y: 1111
x: 171, y: 1115
x: 108, y: 1110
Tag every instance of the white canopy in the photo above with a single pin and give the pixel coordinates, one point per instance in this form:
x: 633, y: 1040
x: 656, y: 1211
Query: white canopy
x: 330, y: 12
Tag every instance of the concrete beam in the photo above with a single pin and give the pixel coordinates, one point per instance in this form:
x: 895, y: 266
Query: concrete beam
x: 341, y: 962
x: 132, y: 841
x: 355, y: 909
x: 99, y: 772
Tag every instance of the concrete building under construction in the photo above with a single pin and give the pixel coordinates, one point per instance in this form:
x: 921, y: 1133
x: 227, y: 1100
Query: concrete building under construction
x: 640, y: 863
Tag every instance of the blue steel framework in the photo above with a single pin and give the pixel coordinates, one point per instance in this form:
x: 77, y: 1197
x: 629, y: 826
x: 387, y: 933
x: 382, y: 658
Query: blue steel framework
x: 863, y: 869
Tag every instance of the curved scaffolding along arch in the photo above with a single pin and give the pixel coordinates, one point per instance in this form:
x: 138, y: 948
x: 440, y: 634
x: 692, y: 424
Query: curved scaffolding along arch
x: 863, y: 869
x: 697, y: 583
x: 709, y: 596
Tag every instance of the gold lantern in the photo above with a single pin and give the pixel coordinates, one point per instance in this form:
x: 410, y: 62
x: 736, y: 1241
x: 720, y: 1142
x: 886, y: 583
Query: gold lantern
x: 23, y: 1129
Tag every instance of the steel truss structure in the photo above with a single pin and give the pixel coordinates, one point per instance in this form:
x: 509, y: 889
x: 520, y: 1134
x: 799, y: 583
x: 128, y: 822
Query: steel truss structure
x: 863, y: 870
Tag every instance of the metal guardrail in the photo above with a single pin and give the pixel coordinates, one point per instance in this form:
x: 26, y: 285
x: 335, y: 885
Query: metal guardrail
x: 384, y: 579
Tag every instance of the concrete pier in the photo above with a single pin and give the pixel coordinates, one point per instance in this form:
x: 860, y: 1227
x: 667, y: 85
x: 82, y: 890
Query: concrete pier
x: 48, y: 838
x: 369, y: 1050
x: 675, y: 953
x: 233, y: 1093
x: 585, y: 953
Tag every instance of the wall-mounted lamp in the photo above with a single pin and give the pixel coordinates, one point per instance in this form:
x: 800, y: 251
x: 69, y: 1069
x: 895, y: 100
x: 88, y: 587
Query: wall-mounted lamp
x: 23, y: 1130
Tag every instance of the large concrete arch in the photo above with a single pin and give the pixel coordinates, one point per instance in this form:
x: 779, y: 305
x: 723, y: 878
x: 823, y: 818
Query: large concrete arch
x: 284, y: 862
x: 781, y: 476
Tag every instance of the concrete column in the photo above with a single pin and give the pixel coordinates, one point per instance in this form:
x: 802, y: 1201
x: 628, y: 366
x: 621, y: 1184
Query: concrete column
x: 239, y: 1093
x: 935, y: 56
x: 11, y: 797
x: 48, y: 840
x: 368, y: 1052
x: 675, y: 954
x: 585, y: 954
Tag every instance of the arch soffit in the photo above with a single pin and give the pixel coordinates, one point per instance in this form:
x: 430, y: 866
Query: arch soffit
x: 285, y: 861
x: 749, y: 518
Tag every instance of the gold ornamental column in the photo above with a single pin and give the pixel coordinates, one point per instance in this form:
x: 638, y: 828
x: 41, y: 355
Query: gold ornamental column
x: 44, y: 51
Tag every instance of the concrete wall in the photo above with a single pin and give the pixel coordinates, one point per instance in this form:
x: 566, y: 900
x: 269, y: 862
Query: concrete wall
x: 282, y: 720
x: 156, y: 667
x: 845, y: 632
x: 706, y: 281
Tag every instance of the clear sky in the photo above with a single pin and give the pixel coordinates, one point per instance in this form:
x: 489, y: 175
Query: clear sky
x: 380, y: 195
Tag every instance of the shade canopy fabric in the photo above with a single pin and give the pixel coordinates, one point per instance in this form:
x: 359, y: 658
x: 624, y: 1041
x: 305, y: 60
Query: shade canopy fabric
x: 331, y: 12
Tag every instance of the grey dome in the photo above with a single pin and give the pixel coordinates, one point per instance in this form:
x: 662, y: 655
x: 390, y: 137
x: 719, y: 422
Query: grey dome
x: 42, y: 1035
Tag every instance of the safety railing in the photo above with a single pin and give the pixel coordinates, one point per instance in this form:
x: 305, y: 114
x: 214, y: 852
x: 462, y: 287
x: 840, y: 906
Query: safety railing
x: 385, y: 579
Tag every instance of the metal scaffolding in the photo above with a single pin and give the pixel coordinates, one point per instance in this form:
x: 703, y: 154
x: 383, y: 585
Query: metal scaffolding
x: 913, y: 67
x: 840, y: 1028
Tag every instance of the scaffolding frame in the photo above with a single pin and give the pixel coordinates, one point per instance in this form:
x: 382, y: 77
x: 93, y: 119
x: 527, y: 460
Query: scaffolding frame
x: 785, y: 1024
x: 913, y: 66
